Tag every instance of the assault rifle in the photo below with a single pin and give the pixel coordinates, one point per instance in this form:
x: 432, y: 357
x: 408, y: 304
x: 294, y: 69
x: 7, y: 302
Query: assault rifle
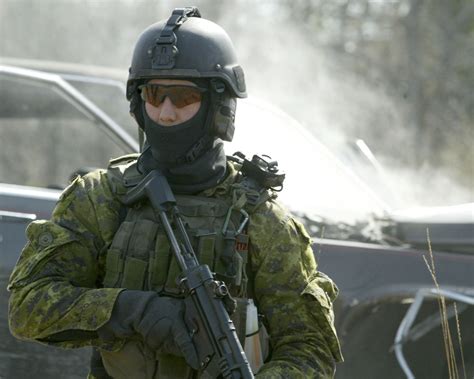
x: 207, y: 300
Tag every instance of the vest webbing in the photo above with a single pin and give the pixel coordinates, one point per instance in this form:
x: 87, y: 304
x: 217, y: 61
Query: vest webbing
x: 140, y: 257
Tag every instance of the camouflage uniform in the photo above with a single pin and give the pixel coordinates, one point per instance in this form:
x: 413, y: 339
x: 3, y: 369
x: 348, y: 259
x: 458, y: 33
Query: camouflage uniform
x: 57, y: 295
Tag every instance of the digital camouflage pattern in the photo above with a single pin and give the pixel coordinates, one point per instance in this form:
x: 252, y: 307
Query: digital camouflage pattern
x: 56, y: 296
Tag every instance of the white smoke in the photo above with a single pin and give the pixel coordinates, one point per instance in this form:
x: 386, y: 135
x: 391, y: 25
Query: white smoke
x: 285, y: 65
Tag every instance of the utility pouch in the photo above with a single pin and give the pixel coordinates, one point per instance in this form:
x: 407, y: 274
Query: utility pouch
x: 114, y: 268
x: 134, y: 273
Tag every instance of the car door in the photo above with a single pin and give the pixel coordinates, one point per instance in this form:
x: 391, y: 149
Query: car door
x: 48, y: 131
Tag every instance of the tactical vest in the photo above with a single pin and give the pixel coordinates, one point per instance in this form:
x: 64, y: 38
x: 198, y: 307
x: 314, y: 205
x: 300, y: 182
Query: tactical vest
x: 140, y: 257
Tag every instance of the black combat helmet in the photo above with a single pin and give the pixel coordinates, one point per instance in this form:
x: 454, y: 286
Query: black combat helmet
x: 189, y: 47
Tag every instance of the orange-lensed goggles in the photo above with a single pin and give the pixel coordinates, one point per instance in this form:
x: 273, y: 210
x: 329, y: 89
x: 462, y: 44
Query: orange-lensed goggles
x: 180, y: 95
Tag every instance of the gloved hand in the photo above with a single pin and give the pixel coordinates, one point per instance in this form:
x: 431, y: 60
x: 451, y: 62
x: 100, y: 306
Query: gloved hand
x: 158, y: 320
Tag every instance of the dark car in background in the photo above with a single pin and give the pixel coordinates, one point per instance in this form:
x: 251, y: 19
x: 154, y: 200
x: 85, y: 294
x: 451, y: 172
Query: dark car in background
x: 49, y: 129
x: 57, y: 120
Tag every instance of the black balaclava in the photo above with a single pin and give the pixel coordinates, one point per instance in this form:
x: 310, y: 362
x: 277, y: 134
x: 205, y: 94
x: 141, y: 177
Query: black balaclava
x: 168, y: 148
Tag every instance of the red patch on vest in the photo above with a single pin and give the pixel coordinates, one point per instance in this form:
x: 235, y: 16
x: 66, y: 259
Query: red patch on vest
x: 242, y: 243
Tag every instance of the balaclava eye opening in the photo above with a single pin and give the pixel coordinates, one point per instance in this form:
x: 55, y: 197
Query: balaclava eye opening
x: 189, y: 156
x: 170, y: 144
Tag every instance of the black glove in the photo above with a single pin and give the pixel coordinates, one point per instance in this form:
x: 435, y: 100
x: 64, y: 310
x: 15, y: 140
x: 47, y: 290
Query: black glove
x: 158, y: 320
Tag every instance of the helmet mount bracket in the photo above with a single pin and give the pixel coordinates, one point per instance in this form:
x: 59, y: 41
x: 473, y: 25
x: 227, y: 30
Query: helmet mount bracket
x: 164, y: 51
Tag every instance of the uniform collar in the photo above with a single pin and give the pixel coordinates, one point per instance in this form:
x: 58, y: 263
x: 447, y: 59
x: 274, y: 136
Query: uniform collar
x: 225, y: 186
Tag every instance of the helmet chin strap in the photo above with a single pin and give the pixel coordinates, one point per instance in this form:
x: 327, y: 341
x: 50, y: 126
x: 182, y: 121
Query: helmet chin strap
x: 205, y: 142
x: 198, y: 149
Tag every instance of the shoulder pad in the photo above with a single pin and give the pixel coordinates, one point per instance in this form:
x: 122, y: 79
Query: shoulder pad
x: 124, y: 159
x: 120, y: 171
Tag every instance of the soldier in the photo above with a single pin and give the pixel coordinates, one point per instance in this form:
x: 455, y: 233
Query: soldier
x: 100, y: 272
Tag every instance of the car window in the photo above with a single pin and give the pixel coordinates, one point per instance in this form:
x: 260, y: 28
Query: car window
x: 44, y: 137
x: 316, y: 182
x: 110, y: 97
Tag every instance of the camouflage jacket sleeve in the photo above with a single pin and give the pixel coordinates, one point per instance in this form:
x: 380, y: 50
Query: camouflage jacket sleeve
x: 295, y: 299
x: 54, y: 296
